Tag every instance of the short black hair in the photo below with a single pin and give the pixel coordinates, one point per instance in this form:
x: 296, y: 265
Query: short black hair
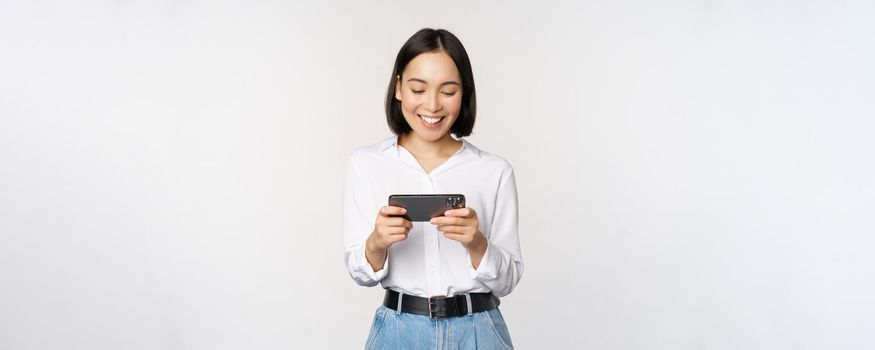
x: 431, y: 40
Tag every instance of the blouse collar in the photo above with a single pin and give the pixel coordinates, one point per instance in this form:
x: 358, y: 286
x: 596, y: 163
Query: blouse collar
x: 391, y: 143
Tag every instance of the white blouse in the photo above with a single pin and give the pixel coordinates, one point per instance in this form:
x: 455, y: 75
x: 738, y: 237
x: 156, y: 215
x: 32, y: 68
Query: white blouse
x: 427, y: 263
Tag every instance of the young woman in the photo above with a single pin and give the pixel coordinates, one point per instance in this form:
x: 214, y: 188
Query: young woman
x: 442, y: 278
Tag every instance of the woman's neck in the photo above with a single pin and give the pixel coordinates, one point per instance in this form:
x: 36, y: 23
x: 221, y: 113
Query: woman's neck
x: 445, y: 146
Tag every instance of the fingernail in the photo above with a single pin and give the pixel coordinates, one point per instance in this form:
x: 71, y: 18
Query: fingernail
x: 403, y: 210
x: 431, y: 221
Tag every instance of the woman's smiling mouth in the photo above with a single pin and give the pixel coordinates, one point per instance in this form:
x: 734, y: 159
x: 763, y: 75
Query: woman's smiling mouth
x: 430, y: 121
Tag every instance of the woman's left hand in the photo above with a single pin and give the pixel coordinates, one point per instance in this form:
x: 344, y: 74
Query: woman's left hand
x: 462, y: 225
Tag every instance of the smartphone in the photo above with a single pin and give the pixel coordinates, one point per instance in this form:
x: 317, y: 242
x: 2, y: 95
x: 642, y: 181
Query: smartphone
x: 423, y: 207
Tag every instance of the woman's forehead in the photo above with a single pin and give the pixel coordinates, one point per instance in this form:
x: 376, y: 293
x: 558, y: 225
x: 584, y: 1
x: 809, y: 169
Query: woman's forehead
x: 432, y: 67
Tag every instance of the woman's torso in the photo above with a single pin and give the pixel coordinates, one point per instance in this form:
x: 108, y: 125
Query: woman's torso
x: 427, y: 263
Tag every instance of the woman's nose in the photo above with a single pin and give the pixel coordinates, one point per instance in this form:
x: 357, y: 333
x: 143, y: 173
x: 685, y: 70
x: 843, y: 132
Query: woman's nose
x: 434, y: 103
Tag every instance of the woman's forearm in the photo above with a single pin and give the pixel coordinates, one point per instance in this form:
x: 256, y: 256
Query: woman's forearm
x: 376, y: 256
x: 478, y: 249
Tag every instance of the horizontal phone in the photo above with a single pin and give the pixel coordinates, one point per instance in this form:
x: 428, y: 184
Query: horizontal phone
x: 423, y: 207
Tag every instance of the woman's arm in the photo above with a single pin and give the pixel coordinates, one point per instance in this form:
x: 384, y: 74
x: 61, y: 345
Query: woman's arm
x: 495, y: 261
x: 356, y: 230
x: 501, y: 265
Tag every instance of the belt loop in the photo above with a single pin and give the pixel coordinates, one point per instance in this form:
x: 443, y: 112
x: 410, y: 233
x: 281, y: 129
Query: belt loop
x: 400, y: 295
x: 468, y: 300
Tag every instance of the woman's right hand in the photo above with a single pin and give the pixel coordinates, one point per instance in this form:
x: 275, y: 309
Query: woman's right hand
x: 388, y: 230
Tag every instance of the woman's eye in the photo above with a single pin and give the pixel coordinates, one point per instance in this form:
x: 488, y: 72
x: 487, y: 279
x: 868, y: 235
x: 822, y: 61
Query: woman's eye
x: 417, y: 91
x: 449, y: 93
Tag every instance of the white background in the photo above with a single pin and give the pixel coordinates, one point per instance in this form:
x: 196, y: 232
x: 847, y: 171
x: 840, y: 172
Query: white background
x: 692, y: 174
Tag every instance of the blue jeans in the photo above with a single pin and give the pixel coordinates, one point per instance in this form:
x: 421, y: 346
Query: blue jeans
x: 400, y: 330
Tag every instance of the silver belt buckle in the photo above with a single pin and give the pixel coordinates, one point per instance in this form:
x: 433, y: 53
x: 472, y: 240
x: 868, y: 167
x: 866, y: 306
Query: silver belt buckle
x: 430, y: 315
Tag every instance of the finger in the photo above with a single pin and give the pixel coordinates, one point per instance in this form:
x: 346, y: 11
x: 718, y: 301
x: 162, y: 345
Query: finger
x: 389, y: 240
x: 455, y: 236
x: 396, y: 238
x: 395, y: 230
x: 395, y: 221
x: 392, y: 210
x: 461, y: 212
x: 454, y: 212
x: 453, y: 229
x: 444, y: 220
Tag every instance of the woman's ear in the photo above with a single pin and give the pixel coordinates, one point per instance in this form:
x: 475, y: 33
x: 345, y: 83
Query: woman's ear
x: 398, y: 87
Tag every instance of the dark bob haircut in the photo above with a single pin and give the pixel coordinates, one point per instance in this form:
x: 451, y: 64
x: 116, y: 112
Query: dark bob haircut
x: 431, y: 40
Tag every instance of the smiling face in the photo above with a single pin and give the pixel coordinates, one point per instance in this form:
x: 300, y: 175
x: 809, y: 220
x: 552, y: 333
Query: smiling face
x: 430, y: 91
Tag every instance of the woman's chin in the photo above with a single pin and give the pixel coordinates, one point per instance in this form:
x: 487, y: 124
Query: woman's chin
x: 429, y: 135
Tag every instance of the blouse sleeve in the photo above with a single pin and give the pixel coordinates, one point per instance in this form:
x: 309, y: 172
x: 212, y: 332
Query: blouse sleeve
x: 357, y: 227
x: 502, y: 265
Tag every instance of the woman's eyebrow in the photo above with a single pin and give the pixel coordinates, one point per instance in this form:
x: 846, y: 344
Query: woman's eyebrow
x: 444, y: 83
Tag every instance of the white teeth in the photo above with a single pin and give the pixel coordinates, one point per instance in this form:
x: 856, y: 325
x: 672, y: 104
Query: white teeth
x: 430, y: 120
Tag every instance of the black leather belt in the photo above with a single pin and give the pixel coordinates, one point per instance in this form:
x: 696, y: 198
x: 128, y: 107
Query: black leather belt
x: 441, y: 307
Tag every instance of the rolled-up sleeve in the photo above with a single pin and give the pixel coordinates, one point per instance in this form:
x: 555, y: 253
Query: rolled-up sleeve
x: 356, y: 228
x: 502, y: 265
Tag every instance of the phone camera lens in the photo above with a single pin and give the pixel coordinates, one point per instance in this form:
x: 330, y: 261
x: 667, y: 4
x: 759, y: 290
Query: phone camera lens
x: 453, y: 202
